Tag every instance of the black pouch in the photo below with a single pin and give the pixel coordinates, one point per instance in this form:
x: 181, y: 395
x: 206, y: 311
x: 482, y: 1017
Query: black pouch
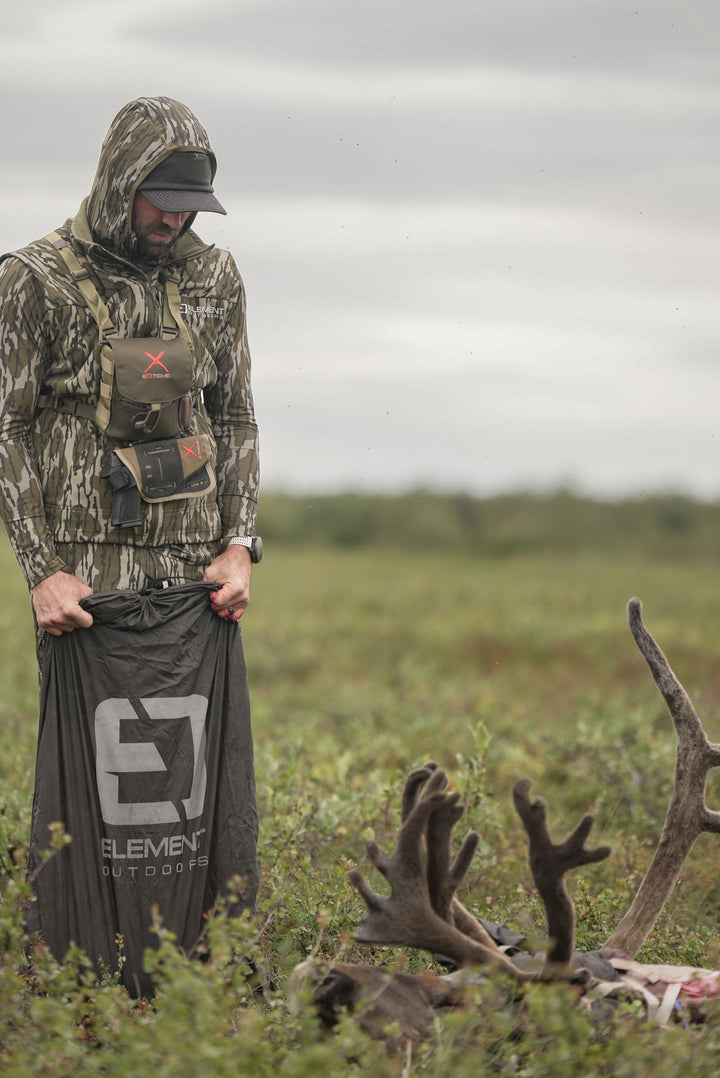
x: 125, y: 512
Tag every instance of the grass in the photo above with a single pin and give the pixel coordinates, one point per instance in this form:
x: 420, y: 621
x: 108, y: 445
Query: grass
x: 363, y: 663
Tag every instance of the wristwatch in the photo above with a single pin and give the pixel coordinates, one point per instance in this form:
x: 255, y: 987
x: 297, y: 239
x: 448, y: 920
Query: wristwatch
x: 253, y: 543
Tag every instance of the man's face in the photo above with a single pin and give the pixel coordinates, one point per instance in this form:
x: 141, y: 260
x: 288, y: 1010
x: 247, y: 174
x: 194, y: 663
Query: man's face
x: 156, y: 230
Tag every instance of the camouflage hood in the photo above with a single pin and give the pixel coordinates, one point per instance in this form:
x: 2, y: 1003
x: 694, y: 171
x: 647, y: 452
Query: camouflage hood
x: 142, y: 135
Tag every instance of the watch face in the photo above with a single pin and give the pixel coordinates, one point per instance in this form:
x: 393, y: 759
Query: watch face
x: 256, y: 550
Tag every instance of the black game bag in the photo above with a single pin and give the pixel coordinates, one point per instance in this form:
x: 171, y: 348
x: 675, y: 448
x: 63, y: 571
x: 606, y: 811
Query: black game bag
x: 145, y: 755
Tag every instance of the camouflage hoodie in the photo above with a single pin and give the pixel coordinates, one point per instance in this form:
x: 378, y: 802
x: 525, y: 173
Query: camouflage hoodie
x: 52, y: 490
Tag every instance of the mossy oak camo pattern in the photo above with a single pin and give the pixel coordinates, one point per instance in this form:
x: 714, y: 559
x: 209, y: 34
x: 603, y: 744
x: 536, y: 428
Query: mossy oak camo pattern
x: 53, y: 497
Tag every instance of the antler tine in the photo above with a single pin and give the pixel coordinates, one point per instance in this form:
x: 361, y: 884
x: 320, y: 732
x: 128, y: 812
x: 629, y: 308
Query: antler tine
x: 679, y: 704
x: 549, y: 862
x: 411, y: 837
x: 687, y: 814
x: 413, y: 785
x: 373, y: 901
x: 444, y: 878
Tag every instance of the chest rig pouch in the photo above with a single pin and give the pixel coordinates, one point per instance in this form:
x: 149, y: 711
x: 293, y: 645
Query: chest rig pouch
x: 145, y: 399
x: 149, y: 388
x: 158, y: 472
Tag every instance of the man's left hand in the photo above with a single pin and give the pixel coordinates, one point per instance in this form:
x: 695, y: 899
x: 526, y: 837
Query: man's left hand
x: 232, y: 569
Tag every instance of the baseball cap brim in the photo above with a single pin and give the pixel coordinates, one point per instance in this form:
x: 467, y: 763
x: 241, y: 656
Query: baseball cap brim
x: 188, y: 201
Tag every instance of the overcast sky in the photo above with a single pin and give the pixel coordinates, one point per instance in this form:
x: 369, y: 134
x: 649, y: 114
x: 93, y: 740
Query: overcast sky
x: 479, y: 239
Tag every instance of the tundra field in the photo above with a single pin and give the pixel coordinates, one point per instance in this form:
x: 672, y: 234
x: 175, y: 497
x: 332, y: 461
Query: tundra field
x: 366, y: 660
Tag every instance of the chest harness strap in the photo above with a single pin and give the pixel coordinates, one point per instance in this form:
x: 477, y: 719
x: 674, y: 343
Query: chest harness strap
x: 173, y: 327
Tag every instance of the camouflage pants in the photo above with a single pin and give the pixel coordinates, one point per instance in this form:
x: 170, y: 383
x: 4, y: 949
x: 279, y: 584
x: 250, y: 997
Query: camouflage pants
x: 109, y: 566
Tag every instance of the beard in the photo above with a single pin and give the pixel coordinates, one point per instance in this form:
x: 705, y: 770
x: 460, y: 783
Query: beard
x: 150, y: 249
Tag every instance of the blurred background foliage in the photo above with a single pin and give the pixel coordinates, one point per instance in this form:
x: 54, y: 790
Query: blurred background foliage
x: 670, y: 525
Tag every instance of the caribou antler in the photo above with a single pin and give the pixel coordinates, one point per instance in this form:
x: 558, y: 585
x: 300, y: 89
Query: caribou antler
x: 687, y: 815
x: 418, y: 912
x: 444, y: 881
x: 549, y: 862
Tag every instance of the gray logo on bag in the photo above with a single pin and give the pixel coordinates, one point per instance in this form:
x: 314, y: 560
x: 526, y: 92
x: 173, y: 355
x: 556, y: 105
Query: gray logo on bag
x: 150, y: 759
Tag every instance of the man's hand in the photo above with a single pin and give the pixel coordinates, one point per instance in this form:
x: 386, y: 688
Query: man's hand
x: 55, y: 601
x: 232, y: 569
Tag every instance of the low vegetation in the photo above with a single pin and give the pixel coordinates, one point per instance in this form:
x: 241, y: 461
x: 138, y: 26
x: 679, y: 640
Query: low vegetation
x: 497, y: 646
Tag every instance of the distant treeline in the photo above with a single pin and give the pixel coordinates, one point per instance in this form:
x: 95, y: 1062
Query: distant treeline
x: 658, y: 526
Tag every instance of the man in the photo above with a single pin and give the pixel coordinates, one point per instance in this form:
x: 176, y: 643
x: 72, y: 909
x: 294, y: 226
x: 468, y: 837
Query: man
x: 131, y: 236
x: 128, y: 459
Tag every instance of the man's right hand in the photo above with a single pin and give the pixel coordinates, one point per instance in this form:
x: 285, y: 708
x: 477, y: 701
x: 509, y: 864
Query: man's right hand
x: 55, y: 601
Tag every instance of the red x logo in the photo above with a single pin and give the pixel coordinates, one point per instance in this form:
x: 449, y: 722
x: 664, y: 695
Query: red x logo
x: 155, y: 362
x: 193, y: 450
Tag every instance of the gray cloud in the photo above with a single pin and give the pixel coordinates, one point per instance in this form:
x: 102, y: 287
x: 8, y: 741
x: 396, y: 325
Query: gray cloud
x: 563, y: 35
